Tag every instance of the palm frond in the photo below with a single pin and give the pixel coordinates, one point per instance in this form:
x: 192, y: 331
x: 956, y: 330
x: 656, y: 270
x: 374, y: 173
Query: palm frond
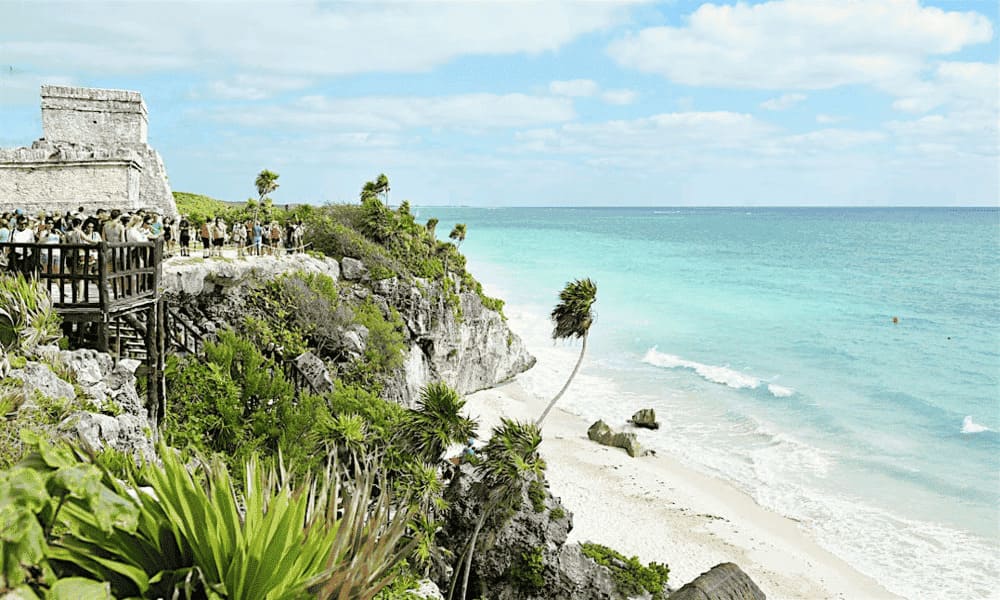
x: 573, y: 315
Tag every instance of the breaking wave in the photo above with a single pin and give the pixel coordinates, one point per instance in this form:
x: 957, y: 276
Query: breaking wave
x: 714, y: 373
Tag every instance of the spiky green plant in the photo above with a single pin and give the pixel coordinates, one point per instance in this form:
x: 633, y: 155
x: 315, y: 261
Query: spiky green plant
x: 191, y: 534
x: 572, y: 317
x: 27, y: 311
x: 436, y: 423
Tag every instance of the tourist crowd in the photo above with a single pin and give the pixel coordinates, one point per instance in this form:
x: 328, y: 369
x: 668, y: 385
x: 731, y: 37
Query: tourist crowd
x: 250, y: 237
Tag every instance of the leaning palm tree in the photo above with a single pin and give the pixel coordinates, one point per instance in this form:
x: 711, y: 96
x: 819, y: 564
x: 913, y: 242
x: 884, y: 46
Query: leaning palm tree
x: 509, y: 461
x: 573, y: 317
x: 266, y: 182
x: 458, y: 234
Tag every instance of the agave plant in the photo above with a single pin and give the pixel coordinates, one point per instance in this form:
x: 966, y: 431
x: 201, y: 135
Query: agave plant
x: 192, y: 535
x: 27, y: 318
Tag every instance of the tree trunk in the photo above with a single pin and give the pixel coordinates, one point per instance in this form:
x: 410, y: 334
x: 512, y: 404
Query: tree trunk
x: 552, y: 402
x: 472, y: 551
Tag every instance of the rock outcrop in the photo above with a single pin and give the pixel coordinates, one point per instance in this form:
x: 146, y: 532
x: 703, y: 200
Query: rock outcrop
x: 115, y: 415
x: 502, y: 559
x: 602, y: 433
x: 724, y: 581
x: 645, y: 418
x: 469, y: 346
x: 459, y: 341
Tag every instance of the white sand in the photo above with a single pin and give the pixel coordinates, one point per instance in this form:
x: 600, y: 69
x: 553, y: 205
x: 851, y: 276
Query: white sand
x: 658, y: 509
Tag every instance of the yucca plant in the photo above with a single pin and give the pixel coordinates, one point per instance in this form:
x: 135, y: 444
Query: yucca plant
x: 27, y: 318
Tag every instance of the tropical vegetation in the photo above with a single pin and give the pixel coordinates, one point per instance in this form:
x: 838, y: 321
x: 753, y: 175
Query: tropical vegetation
x: 341, y: 493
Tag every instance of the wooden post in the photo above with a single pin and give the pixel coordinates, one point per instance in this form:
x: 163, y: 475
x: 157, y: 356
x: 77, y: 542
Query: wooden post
x: 161, y: 335
x: 152, y: 360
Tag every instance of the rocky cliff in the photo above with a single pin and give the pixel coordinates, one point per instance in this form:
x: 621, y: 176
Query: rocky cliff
x: 449, y: 337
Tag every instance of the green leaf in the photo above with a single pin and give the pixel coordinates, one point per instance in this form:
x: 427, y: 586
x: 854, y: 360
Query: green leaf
x: 78, y: 588
x: 79, y: 481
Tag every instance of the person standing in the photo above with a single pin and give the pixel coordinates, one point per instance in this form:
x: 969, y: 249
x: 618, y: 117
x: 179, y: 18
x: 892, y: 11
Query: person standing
x: 258, y: 238
x: 21, y: 256
x: 169, y: 234
x: 184, y: 228
x: 218, y: 236
x: 206, y: 238
x: 239, y: 237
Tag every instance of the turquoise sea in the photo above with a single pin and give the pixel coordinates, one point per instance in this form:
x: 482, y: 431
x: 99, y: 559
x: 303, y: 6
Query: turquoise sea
x: 764, y: 338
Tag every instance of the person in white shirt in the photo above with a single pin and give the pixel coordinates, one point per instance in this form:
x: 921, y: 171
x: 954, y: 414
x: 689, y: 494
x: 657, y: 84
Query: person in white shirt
x: 21, y: 257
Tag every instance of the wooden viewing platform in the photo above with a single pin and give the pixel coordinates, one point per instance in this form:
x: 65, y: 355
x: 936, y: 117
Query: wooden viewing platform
x: 108, y: 296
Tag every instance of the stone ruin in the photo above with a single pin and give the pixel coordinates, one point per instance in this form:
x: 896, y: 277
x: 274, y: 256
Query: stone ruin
x: 94, y: 154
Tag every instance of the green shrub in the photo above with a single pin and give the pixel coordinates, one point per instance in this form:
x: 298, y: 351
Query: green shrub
x: 633, y: 578
x: 386, y: 342
x: 557, y: 514
x: 536, y: 494
x: 28, y: 318
x: 526, y: 573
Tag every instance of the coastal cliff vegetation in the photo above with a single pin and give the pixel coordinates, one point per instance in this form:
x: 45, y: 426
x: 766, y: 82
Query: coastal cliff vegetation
x: 261, y: 487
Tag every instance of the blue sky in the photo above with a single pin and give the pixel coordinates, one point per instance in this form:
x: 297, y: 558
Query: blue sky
x: 785, y: 102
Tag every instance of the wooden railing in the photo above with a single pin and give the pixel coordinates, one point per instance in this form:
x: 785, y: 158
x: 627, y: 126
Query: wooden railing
x: 83, y: 278
x: 181, y: 334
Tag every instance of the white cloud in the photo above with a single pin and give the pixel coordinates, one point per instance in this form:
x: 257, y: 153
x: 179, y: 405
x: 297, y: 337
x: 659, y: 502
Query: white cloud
x: 953, y: 134
x: 783, y: 102
x: 958, y: 85
x: 620, y: 97
x: 823, y: 141
x: 574, y: 88
x: 298, y: 38
x: 253, y: 87
x: 389, y: 113
x: 587, y: 88
x: 665, y: 139
x: 17, y: 87
x: 801, y: 44
x: 824, y: 119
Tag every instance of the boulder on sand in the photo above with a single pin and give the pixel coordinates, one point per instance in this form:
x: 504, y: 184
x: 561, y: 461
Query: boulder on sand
x: 602, y: 433
x: 724, y: 581
x: 645, y: 418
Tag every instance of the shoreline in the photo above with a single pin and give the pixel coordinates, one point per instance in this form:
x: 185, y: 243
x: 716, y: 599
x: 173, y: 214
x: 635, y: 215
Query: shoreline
x: 659, y: 509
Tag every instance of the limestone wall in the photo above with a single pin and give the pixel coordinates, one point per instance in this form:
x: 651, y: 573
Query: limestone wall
x: 92, y: 116
x: 94, y: 141
x: 64, y: 185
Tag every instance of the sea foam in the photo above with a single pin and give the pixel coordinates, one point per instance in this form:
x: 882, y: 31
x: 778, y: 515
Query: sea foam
x: 714, y: 373
x: 970, y: 426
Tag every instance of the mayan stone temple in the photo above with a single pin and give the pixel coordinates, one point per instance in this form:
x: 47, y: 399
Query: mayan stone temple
x: 94, y: 153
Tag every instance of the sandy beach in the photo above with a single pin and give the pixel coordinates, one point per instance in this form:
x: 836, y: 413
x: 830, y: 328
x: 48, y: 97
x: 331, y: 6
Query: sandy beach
x: 654, y: 507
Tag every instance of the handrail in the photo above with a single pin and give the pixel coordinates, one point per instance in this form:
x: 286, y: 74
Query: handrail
x: 99, y: 276
x: 189, y: 338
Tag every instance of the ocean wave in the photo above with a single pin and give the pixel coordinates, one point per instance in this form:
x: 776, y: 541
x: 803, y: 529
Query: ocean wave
x: 970, y: 426
x: 715, y: 374
x: 779, y: 391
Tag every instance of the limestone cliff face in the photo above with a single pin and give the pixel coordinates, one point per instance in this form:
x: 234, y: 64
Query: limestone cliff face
x: 469, y: 346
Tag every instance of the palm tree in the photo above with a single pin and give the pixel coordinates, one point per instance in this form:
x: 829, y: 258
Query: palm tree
x: 572, y: 317
x: 509, y: 461
x: 458, y: 234
x: 382, y: 187
x: 437, y: 422
x: 266, y: 182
